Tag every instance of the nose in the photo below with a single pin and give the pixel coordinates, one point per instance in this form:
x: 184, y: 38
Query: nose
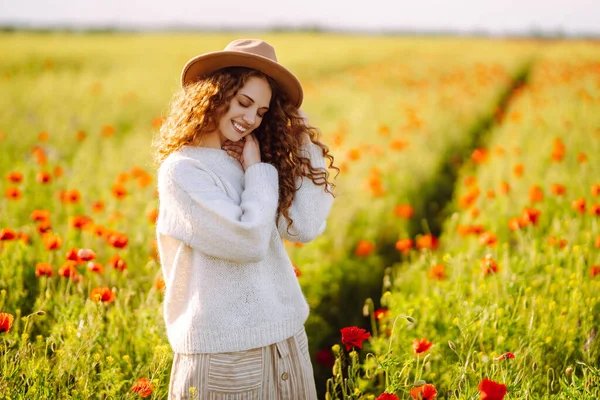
x: 249, y: 118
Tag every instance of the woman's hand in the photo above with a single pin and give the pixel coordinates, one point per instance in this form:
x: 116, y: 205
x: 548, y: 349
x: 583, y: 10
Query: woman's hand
x: 246, y: 150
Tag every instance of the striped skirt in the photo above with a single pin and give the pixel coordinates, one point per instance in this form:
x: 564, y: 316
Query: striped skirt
x: 280, y: 371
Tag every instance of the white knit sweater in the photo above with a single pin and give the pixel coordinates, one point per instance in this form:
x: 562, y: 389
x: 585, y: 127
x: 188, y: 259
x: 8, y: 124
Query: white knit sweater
x: 230, y: 285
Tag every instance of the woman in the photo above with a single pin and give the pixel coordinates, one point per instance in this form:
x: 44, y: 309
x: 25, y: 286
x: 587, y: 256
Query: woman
x: 239, y: 171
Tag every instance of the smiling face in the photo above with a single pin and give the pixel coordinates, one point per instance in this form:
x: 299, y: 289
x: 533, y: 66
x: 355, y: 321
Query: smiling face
x: 246, y: 111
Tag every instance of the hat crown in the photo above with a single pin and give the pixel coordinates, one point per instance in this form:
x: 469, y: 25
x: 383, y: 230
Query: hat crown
x: 253, y: 46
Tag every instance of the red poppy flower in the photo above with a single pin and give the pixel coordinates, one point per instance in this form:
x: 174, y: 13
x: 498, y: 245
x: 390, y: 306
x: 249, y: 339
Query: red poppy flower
x: 68, y: 270
x: 353, y: 336
x: 488, y: 266
x: 52, y: 242
x: 117, y: 240
x: 579, y: 205
x: 595, y: 190
x: 420, y: 346
x: 364, y: 248
x: 488, y: 239
x: 117, y: 262
x: 404, y: 245
x: 40, y: 215
x: 437, y: 272
x: 427, y: 241
x: 43, y: 177
x: 504, y: 356
x: 43, y: 269
x: 404, y: 211
x: 381, y: 313
x: 95, y: 267
x: 425, y: 392
x: 14, y: 177
x: 490, y: 390
x: 86, y: 254
x: 103, y: 294
x: 7, y: 234
x: 595, y: 271
x: 6, y: 321
x: 387, y: 396
x: 143, y: 387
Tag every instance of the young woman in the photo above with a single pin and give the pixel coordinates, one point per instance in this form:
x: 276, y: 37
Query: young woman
x: 239, y: 170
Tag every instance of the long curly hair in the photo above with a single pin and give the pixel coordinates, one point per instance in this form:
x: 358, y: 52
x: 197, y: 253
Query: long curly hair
x: 196, y: 109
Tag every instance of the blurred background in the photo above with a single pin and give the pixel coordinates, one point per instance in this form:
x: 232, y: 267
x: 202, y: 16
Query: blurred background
x: 498, y: 18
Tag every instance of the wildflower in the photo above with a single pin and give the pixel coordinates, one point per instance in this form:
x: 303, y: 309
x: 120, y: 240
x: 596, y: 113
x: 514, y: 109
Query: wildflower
x: 119, y: 191
x: 398, y: 144
x: 387, y: 396
x: 558, y: 189
x: 595, y: 271
x: 296, y: 270
x: 98, y: 206
x: 81, y: 221
x: 68, y: 270
x: 420, y: 346
x: 427, y: 241
x: 579, y: 205
x: 504, y: 187
x: 43, y: 177
x: 86, y: 254
x: 143, y: 387
x: 364, y: 248
x: 6, y: 321
x: 159, y: 284
x: 504, y: 356
x: 535, y: 194
x: 558, y: 150
x: 488, y: 238
x: 95, y: 267
x: 404, y: 211
x: 14, y: 177
x: 437, y: 272
x: 595, y: 209
x: 43, y: 269
x: 479, y: 155
x: 529, y: 216
x: 40, y: 215
x: 353, y: 336
x: 13, y: 193
x: 117, y: 240
x: 581, y: 157
x: 425, y: 392
x: 490, y: 390
x: 7, y: 234
x: 518, y: 170
x: 595, y: 190
x: 117, y: 262
x: 381, y: 313
x: 488, y: 265
x: 52, y: 242
x: 152, y: 215
x: 103, y: 294
x: 404, y: 245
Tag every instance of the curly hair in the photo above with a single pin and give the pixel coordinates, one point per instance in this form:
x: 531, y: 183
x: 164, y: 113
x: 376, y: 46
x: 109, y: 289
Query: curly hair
x: 196, y: 109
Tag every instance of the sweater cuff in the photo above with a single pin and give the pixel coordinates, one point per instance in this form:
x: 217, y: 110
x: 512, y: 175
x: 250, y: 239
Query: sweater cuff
x: 260, y: 174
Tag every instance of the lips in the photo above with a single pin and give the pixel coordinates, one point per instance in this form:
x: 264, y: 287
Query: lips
x: 237, y: 125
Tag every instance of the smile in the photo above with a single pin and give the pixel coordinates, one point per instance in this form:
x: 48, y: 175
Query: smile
x: 239, y: 128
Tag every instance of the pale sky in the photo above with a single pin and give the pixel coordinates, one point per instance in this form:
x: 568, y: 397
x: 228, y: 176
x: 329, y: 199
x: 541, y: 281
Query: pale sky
x: 493, y: 16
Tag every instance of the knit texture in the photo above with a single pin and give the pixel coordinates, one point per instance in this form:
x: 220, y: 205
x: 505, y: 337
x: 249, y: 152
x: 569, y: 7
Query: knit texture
x: 230, y: 284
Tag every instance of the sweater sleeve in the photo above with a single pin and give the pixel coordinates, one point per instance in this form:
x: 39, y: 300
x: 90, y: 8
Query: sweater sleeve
x: 310, y: 206
x: 194, y: 209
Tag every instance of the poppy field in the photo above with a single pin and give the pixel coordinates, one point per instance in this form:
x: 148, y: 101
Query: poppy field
x: 461, y: 258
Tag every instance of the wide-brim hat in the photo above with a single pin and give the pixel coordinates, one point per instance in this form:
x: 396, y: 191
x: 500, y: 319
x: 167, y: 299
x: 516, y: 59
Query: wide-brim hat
x: 250, y: 53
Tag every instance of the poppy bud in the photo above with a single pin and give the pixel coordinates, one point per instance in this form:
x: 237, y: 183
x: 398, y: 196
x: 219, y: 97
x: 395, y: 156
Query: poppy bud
x: 452, y: 345
x: 569, y: 370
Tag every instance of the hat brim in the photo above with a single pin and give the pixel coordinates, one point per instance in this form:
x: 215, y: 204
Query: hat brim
x: 210, y: 62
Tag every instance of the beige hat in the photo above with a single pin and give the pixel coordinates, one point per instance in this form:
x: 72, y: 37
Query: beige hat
x: 250, y: 53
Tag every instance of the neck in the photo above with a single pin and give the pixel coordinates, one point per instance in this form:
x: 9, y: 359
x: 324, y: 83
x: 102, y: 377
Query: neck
x: 213, y: 139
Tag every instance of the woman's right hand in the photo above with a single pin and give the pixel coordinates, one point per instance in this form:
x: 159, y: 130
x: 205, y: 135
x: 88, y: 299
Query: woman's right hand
x: 247, y: 150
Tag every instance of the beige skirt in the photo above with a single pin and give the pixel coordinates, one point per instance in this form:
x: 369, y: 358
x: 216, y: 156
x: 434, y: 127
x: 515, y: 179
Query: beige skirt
x: 280, y: 371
